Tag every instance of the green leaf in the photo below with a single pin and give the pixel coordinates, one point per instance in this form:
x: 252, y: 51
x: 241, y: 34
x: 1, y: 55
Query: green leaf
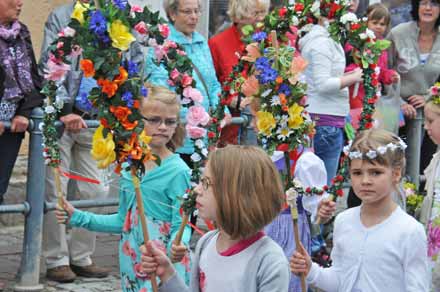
x: 247, y: 29
x: 383, y: 44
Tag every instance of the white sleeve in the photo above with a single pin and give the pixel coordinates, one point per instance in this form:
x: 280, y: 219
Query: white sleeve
x: 416, y: 269
x: 328, y: 279
x: 310, y: 171
x: 321, y: 64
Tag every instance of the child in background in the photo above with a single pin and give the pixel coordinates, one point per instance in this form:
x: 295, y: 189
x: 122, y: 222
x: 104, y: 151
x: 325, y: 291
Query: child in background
x: 378, y: 21
x: 376, y: 246
x: 242, y: 192
x: 160, y: 187
x: 430, y: 214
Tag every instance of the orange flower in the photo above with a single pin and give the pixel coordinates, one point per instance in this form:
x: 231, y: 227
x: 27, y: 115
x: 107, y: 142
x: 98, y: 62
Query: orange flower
x: 129, y: 125
x: 297, y: 66
x: 122, y: 77
x: 279, y: 80
x: 136, y: 104
x: 285, y: 108
x: 253, y: 52
x: 87, y: 67
x: 250, y: 86
x: 108, y: 87
x: 120, y: 112
x: 283, y: 99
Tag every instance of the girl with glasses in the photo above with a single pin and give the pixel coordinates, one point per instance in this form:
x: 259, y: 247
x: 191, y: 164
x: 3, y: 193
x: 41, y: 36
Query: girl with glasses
x: 242, y: 192
x: 161, y: 186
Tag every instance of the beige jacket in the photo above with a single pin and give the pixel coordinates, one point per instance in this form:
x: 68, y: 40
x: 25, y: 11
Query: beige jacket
x: 425, y: 214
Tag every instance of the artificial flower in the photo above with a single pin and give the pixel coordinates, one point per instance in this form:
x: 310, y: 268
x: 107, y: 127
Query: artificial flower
x: 108, y: 87
x: 265, y: 122
x: 86, y: 65
x: 103, y: 148
x: 120, y: 35
x: 253, y: 52
x: 197, y: 115
x: 78, y: 11
x: 122, y: 77
x: 295, y: 117
x: 55, y: 70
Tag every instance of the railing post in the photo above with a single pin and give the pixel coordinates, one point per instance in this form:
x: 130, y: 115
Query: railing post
x: 29, y: 272
x: 415, y: 137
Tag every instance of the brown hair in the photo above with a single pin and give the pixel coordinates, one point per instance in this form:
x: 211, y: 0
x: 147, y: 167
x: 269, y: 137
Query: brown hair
x: 372, y: 139
x: 168, y: 97
x: 378, y: 11
x: 247, y: 189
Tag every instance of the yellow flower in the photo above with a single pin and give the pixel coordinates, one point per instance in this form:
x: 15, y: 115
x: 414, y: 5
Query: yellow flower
x: 265, y: 122
x: 103, y: 148
x: 295, y: 118
x: 144, y: 138
x: 78, y: 11
x: 120, y: 35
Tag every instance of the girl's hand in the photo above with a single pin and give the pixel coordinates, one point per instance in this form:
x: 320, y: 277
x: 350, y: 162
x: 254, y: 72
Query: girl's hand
x: 64, y: 212
x: 351, y: 78
x: 153, y: 260
x: 408, y: 110
x: 178, y: 252
x: 300, y: 261
x: 395, y: 77
x: 326, y: 209
x: 245, y: 102
x: 19, y: 124
x: 416, y: 101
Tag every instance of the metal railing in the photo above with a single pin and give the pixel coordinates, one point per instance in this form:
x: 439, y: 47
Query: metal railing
x: 35, y: 205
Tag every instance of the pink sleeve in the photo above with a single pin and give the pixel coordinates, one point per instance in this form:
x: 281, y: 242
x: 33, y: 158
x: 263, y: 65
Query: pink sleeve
x: 385, y: 73
x: 351, y: 67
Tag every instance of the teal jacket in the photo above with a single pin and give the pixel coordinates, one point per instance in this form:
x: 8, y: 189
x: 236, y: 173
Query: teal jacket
x: 198, y: 51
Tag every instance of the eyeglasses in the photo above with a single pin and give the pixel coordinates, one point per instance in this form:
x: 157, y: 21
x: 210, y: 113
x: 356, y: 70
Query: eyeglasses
x: 156, y: 121
x: 430, y: 3
x: 189, y: 12
x: 261, y: 13
x: 206, y: 182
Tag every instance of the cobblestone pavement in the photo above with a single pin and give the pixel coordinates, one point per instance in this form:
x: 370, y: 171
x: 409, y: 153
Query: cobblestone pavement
x: 106, y: 255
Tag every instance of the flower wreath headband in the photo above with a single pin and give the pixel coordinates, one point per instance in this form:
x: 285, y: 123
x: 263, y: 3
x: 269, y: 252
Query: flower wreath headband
x: 372, y: 154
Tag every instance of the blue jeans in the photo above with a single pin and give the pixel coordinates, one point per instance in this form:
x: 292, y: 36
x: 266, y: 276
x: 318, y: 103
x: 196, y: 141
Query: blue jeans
x: 328, y: 143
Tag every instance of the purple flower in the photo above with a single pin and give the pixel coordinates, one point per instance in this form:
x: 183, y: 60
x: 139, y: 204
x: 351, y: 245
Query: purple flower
x: 433, y: 240
x: 285, y: 89
x: 132, y: 68
x: 83, y: 103
x: 128, y: 98
x: 259, y: 36
x: 262, y: 63
x: 268, y: 75
x: 121, y: 4
x: 98, y: 23
x: 144, y: 91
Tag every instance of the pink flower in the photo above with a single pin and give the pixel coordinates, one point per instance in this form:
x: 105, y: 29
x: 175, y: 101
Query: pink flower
x: 186, y: 80
x: 197, y: 115
x: 55, y: 71
x: 165, y: 228
x: 76, y: 51
x: 141, y: 28
x: 139, y: 273
x: 164, y: 30
x: 170, y: 44
x: 60, y: 45
x: 126, y: 248
x: 133, y: 254
x: 69, y: 32
x: 127, y: 222
x: 434, y: 90
x: 303, y: 100
x: 433, y: 240
x: 171, y: 83
x: 174, y: 74
x: 195, y: 132
x: 193, y: 93
x: 181, y: 53
x: 159, y: 52
x: 136, y: 8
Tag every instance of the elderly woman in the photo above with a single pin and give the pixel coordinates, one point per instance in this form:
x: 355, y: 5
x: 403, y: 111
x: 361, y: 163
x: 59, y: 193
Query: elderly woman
x: 225, y: 46
x: 21, y: 86
x: 184, y: 16
x: 414, y: 54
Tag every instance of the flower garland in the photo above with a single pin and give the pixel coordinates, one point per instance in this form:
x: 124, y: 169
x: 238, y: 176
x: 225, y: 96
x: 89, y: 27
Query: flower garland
x: 434, y: 93
x: 414, y: 200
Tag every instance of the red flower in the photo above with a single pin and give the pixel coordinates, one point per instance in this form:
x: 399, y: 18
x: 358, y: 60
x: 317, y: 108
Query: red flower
x: 325, y: 188
x: 282, y: 12
x: 373, y: 66
x: 87, y: 67
x: 371, y: 100
x: 299, y: 7
x: 339, y: 193
x: 104, y: 123
x: 369, y: 125
x: 308, y: 190
x: 339, y: 178
x: 214, y: 120
x: 283, y: 147
x: 374, y: 82
x: 355, y: 26
x: 211, y: 135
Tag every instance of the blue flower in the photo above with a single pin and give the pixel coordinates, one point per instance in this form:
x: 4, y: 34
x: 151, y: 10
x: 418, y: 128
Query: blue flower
x: 132, y: 68
x: 259, y: 36
x: 121, y: 4
x: 284, y: 88
x: 83, y: 103
x: 144, y: 91
x: 268, y: 75
x: 262, y: 64
x: 98, y: 23
x: 128, y: 98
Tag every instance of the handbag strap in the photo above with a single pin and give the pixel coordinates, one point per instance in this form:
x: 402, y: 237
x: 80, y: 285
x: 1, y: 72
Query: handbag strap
x: 201, y: 78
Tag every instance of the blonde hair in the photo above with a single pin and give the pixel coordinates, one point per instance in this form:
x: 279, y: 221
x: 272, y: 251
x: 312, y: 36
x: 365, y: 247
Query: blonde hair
x: 168, y: 97
x: 247, y: 189
x: 432, y: 106
x: 238, y: 9
x: 172, y: 7
x: 378, y: 11
x: 372, y: 139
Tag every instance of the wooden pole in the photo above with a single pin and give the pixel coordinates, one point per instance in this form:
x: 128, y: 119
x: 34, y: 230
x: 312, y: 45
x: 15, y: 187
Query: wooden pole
x: 294, y: 213
x: 59, y: 191
x: 179, y: 234
x: 143, y: 218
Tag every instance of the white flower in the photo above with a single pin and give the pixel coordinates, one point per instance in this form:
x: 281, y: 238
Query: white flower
x: 59, y: 103
x: 199, y: 143
x: 347, y: 147
x: 371, y: 154
x: 363, y: 36
x: 49, y: 109
x: 152, y: 42
x: 283, y: 133
x: 295, y: 20
x: 297, y: 183
x: 355, y: 155
x: 185, y: 196
x: 47, y: 161
x: 392, y: 146
x: 196, y: 212
x: 275, y: 100
x: 402, y: 144
x: 382, y: 150
x: 69, y: 32
x: 315, y: 7
x: 266, y: 92
x: 370, y: 34
x: 196, y: 157
x: 291, y: 195
x: 205, y: 152
x: 349, y: 17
